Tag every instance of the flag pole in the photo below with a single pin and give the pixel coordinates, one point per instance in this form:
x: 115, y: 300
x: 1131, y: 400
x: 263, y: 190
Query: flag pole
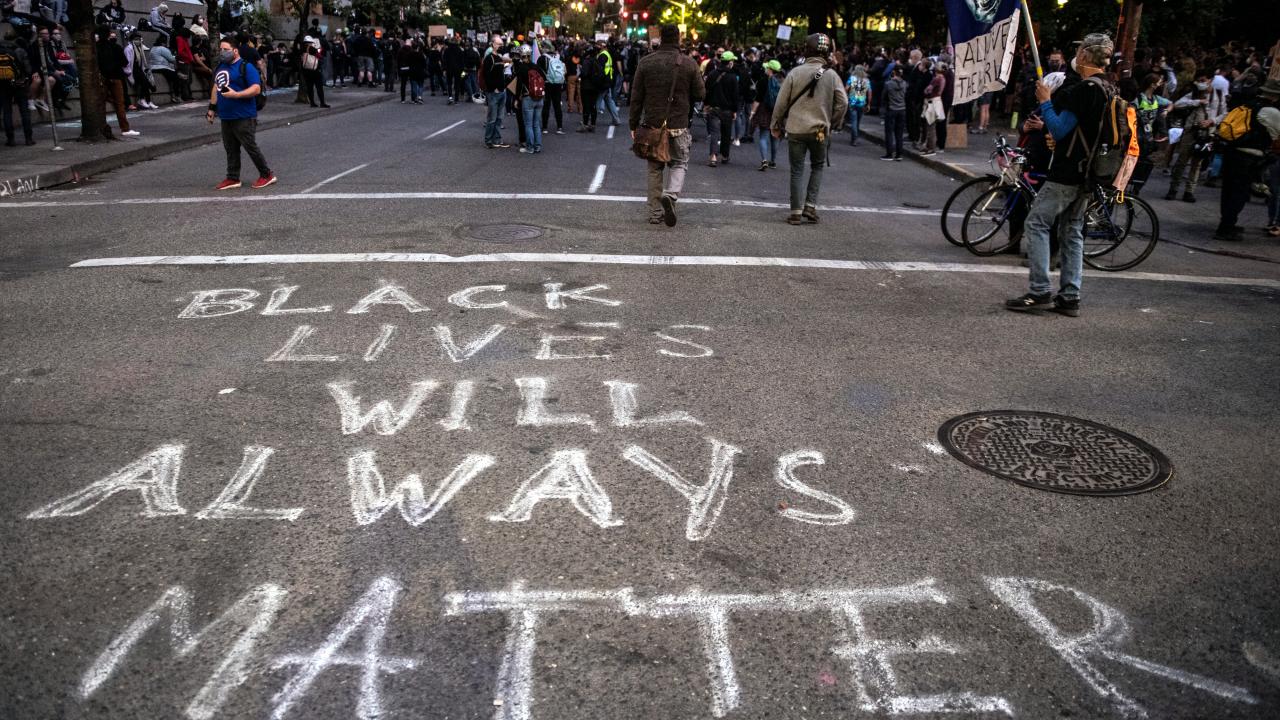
x: 1031, y: 37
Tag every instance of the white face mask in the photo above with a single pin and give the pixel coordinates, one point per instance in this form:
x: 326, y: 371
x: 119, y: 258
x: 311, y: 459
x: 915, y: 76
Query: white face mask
x: 1073, y: 65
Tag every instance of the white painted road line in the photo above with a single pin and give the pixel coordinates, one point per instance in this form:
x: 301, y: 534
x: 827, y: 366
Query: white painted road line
x: 609, y: 135
x: 206, y: 199
x: 598, y: 180
x: 441, y: 131
x: 326, y: 181
x: 659, y: 260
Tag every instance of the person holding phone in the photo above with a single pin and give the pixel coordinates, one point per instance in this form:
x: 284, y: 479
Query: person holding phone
x: 236, y: 85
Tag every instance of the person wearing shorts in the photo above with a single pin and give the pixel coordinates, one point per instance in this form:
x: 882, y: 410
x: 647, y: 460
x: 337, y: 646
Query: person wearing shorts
x: 984, y: 111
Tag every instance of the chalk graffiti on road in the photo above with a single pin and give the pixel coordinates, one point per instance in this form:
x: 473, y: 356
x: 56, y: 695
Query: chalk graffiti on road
x: 358, y: 640
x: 20, y: 186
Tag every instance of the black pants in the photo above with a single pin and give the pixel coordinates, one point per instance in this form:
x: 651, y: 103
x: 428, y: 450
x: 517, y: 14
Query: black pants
x: 389, y: 80
x: 9, y: 92
x: 894, y: 124
x: 915, y: 124
x: 315, y: 85
x: 404, y: 80
x: 941, y: 127
x: 238, y: 134
x: 589, y: 97
x: 1237, y: 175
x: 458, y: 81
x: 553, y: 100
x: 720, y: 127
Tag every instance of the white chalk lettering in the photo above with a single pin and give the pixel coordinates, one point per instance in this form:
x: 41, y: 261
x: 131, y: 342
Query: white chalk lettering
x: 566, y: 477
x: 370, y: 613
x: 546, y: 352
x: 556, y: 295
x: 379, y: 343
x: 252, y: 615
x: 386, y: 419
x: 457, y: 417
x: 785, y: 474
x: 387, y: 295
x: 705, y: 501
x: 623, y: 397
x: 280, y: 296
x: 534, y: 412
x: 230, y: 503
x: 289, y: 353
x: 370, y: 499
x: 153, y: 476
x: 1110, y: 629
x: 462, y: 298
x: 458, y: 354
x: 216, y: 303
x: 702, y: 350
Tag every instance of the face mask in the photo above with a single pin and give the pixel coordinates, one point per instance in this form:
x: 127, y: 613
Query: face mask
x: 1202, y: 86
x: 1073, y: 65
x: 226, y: 57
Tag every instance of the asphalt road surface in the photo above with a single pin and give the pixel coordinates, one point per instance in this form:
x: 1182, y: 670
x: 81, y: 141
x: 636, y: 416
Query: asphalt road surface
x: 318, y: 452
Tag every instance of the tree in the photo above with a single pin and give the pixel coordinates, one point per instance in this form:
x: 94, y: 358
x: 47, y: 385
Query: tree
x: 93, y: 97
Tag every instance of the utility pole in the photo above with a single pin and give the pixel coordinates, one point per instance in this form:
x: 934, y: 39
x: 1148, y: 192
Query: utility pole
x: 1127, y: 32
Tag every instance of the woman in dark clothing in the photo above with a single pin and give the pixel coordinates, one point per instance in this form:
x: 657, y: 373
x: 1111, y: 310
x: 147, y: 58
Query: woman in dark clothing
x: 111, y: 66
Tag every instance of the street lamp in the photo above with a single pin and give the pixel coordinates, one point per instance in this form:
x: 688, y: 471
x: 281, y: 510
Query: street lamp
x: 684, y: 7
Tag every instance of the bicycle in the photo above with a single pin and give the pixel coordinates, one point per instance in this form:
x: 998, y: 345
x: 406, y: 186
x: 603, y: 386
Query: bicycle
x: 1110, y: 219
x: 964, y: 195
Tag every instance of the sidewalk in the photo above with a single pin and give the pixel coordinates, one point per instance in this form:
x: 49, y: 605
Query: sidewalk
x: 170, y: 129
x: 1189, y: 225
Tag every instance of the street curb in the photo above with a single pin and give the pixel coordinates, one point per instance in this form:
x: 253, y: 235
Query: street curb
x: 936, y: 165
x: 89, y: 168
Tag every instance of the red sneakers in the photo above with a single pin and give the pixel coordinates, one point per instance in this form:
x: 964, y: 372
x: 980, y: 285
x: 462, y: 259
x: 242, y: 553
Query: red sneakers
x: 228, y: 184
x: 264, y: 181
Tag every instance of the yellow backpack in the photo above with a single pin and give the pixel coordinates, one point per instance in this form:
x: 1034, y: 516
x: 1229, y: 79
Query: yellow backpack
x: 1236, y: 124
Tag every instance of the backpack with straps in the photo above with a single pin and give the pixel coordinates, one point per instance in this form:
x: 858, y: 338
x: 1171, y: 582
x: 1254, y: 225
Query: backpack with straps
x: 1239, y: 129
x: 536, y: 84
x: 8, y: 67
x: 259, y: 100
x: 1105, y: 158
x: 555, y: 70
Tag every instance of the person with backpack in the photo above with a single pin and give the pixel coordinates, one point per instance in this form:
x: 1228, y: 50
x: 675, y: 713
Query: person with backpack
x: 1247, y: 134
x: 14, y: 70
x: 234, y: 100
x: 858, y: 88
x: 762, y: 113
x: 531, y: 89
x: 553, y: 69
x: 593, y: 83
x: 1079, y: 115
x: 811, y: 102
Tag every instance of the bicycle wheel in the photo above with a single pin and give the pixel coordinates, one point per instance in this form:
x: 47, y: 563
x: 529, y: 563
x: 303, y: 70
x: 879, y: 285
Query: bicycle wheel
x: 1127, y: 234
x: 988, y: 228
x: 962, y: 198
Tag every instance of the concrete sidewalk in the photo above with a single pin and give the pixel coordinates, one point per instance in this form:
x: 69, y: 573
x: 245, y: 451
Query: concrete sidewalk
x: 170, y: 129
x: 1188, y: 227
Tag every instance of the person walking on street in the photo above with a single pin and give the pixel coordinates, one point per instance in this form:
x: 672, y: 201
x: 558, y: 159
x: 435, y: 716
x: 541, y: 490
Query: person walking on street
x: 811, y: 102
x: 553, y: 70
x: 859, y: 91
x: 234, y: 101
x: 111, y: 66
x: 895, y: 114
x: 663, y: 90
x: 762, y: 113
x: 720, y: 108
x: 1073, y: 115
x: 573, y: 88
x: 495, y: 95
x: 934, y: 116
x: 1243, y: 157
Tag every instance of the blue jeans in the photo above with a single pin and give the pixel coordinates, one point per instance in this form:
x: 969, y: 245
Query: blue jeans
x: 532, y: 110
x: 1066, y: 204
x: 740, y: 122
x: 473, y: 89
x: 895, y: 122
x: 768, y: 145
x: 855, y: 123
x: 606, y: 101
x: 415, y: 87
x: 497, y: 102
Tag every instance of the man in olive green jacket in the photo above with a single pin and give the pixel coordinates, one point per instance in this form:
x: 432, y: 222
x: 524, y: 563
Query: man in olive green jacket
x: 811, y: 104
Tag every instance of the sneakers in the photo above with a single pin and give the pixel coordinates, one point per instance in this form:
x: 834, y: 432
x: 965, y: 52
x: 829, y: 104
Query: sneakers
x: 712, y: 162
x: 897, y: 158
x: 886, y: 157
x: 737, y: 142
x: 1028, y: 302
x: 764, y: 165
x: 773, y: 165
x: 810, y: 214
x: 525, y: 150
x: 559, y: 131
x: 501, y: 145
x: 1188, y: 197
x: 668, y: 210
x: 1231, y: 234
x: 264, y: 182
x: 795, y: 219
x: 1171, y: 195
x: 131, y: 133
x: 1066, y: 306
x: 655, y: 219
x: 928, y: 153
x: 228, y: 184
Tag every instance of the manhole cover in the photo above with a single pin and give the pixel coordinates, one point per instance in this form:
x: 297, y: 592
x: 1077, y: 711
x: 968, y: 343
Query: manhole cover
x: 503, y: 233
x: 1055, y: 452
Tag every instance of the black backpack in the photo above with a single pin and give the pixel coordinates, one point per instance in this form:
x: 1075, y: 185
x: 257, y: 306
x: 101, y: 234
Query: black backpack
x: 260, y: 100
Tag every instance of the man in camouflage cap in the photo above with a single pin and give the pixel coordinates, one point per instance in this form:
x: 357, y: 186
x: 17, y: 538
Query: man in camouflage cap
x: 811, y: 103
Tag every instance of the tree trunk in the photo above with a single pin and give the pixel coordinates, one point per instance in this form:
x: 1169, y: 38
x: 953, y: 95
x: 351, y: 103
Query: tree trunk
x: 211, y: 21
x: 304, y: 9
x: 93, y: 102
x: 1130, y: 22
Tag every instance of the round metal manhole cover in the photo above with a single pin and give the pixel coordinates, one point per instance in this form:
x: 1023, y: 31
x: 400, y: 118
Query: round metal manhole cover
x: 502, y: 233
x: 1055, y: 452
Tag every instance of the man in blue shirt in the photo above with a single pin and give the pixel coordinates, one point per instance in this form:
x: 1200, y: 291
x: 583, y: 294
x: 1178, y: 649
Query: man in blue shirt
x: 236, y: 86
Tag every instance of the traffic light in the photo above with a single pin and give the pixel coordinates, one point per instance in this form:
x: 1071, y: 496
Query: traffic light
x: 644, y: 15
x: 624, y: 14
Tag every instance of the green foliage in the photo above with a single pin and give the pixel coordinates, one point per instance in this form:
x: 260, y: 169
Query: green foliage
x: 257, y: 21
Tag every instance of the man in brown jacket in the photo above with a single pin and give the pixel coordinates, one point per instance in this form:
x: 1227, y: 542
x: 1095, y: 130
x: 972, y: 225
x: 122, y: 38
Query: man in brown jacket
x: 665, y: 86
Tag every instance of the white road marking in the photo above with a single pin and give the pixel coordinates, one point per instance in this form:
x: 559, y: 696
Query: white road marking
x: 598, y: 180
x: 661, y: 260
x: 326, y: 181
x: 206, y: 199
x: 609, y: 135
x: 442, y: 131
